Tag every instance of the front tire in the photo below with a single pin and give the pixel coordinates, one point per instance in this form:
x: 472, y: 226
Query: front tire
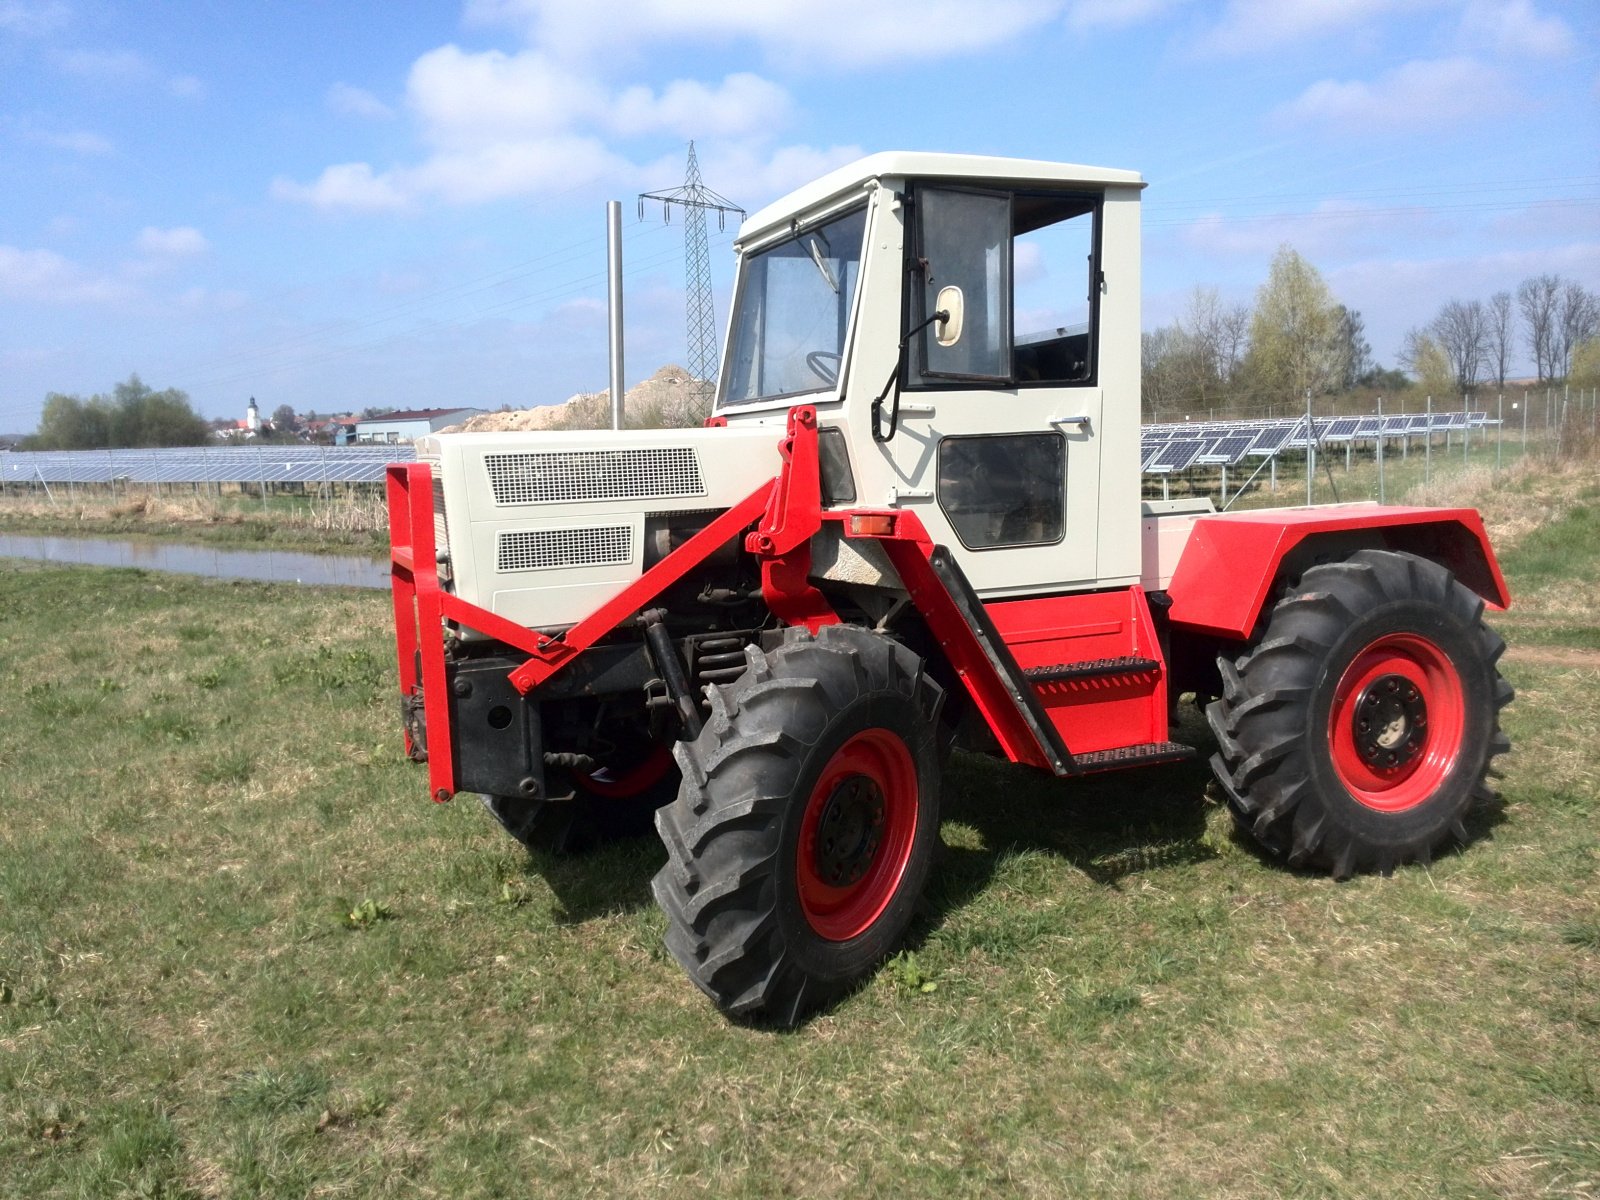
x: 1357, y: 733
x: 803, y: 832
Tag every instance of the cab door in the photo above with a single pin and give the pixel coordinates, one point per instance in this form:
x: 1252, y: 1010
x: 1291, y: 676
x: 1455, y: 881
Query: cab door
x: 1000, y: 407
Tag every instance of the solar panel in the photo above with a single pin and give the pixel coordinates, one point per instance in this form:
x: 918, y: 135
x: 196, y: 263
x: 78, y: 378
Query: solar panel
x: 1396, y: 425
x: 1342, y: 429
x: 1270, y: 440
x: 1176, y: 456
x: 230, y: 464
x: 1225, y: 450
x: 1457, y: 420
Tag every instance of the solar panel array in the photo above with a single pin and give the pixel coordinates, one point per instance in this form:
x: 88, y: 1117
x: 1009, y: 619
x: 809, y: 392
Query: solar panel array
x: 1164, y: 450
x: 204, y: 464
x: 1176, y: 446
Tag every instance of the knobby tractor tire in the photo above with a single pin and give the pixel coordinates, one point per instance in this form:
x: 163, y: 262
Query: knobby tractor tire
x: 1357, y: 733
x: 808, y: 816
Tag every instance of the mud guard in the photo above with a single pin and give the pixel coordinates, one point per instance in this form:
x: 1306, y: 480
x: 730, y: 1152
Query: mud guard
x: 1226, y: 574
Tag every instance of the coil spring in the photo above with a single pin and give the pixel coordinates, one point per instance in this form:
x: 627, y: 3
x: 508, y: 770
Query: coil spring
x: 719, y: 660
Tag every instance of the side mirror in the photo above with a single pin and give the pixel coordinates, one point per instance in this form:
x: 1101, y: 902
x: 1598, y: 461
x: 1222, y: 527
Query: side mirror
x: 952, y: 308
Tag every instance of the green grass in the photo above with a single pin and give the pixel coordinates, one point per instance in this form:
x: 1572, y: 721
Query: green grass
x: 241, y: 954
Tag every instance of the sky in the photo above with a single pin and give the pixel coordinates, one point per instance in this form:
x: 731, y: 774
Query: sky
x: 348, y: 205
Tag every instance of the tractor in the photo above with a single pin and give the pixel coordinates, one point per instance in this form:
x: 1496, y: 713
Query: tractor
x: 915, y: 522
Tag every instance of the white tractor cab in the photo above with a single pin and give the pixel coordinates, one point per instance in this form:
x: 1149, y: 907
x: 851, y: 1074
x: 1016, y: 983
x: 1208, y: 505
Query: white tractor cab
x: 915, y: 521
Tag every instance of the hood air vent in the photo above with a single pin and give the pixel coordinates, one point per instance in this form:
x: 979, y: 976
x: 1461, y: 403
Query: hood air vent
x: 549, y: 477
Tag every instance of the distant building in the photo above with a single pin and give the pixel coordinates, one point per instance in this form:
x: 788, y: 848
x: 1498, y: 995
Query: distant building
x: 252, y: 417
x: 408, y: 425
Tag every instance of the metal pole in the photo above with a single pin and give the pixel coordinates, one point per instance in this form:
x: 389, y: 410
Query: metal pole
x: 1466, y: 428
x: 1524, y: 422
x: 1427, y: 448
x: 1311, y: 452
x: 1499, y: 432
x: 614, y: 264
x: 1382, y: 496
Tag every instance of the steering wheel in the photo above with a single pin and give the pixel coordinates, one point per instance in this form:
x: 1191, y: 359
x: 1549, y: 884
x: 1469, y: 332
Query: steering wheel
x: 824, y: 365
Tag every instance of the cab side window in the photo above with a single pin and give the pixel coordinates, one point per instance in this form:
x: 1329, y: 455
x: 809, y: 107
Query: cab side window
x: 1022, y: 268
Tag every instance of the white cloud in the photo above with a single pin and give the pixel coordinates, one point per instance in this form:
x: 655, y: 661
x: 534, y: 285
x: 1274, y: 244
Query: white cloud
x: 125, y: 68
x: 463, y: 98
x: 78, y: 141
x: 743, y: 104
x: 32, y: 20
x: 1423, y: 94
x: 117, y: 66
x: 1333, y: 229
x: 809, y: 34
x: 1254, y: 26
x: 43, y: 276
x: 181, y: 241
x: 512, y: 168
x: 351, y: 186
x: 1115, y: 14
x: 351, y: 101
x: 1513, y: 27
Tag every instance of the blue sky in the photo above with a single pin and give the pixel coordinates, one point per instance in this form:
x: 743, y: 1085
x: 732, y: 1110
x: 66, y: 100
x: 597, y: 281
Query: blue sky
x: 349, y: 204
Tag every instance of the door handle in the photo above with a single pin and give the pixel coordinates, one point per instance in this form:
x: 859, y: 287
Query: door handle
x: 1081, y: 421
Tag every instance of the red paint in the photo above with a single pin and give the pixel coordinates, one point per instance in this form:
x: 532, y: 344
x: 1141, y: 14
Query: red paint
x: 1413, y: 658
x: 414, y: 585
x: 908, y: 551
x: 550, y: 654
x: 874, y: 761
x: 1102, y: 712
x: 793, y: 516
x: 620, y: 785
x: 1231, y: 559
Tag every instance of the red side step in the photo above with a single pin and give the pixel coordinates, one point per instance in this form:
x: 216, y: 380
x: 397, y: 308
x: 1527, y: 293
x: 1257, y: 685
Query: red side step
x: 1095, y: 664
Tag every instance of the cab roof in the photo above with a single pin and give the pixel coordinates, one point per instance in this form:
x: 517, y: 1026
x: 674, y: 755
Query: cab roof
x: 968, y: 168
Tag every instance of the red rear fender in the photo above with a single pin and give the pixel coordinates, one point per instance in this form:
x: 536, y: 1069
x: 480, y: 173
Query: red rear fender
x: 1232, y: 560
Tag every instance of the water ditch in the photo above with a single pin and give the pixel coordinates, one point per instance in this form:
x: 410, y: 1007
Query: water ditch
x: 268, y: 566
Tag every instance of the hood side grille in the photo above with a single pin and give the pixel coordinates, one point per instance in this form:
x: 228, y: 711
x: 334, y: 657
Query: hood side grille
x: 550, y: 477
x: 544, y: 549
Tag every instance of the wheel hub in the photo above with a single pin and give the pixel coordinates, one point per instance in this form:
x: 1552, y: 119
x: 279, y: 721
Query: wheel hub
x: 1389, y: 724
x: 849, y: 831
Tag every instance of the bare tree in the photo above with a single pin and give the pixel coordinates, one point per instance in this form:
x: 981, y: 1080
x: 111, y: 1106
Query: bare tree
x: 1537, y: 297
x: 1355, y: 351
x: 1462, y: 331
x: 1577, y: 319
x: 1233, y: 340
x: 1500, y: 332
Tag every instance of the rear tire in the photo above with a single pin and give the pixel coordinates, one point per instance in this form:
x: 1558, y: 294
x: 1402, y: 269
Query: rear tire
x: 802, y: 835
x: 1357, y: 733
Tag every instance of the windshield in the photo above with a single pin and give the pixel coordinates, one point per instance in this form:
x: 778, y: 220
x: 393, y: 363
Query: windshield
x: 793, y: 308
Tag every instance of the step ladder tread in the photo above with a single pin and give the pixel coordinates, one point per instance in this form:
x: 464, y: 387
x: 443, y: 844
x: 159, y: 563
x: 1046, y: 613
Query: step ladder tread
x: 1092, y: 669
x: 1134, y: 756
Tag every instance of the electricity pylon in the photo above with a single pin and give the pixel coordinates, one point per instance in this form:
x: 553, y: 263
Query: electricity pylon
x: 696, y: 199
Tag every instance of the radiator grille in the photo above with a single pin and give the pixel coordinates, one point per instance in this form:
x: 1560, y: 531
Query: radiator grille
x: 441, y: 537
x: 545, y: 477
x: 541, y: 549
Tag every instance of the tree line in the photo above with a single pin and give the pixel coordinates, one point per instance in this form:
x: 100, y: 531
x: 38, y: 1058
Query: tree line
x: 1297, y: 338
x: 132, y: 415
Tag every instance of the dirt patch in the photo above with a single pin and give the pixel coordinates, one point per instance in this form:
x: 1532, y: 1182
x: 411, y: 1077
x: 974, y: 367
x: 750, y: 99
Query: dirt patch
x: 1554, y: 656
x: 670, y: 398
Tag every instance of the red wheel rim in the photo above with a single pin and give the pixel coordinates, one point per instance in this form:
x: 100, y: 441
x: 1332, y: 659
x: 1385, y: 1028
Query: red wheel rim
x: 856, y: 835
x: 619, y: 785
x: 1397, y: 722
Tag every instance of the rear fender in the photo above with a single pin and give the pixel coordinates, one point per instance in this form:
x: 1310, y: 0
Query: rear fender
x: 1232, y: 562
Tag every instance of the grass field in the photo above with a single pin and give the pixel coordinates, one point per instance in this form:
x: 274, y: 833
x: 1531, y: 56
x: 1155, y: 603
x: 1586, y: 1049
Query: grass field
x: 242, y: 955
